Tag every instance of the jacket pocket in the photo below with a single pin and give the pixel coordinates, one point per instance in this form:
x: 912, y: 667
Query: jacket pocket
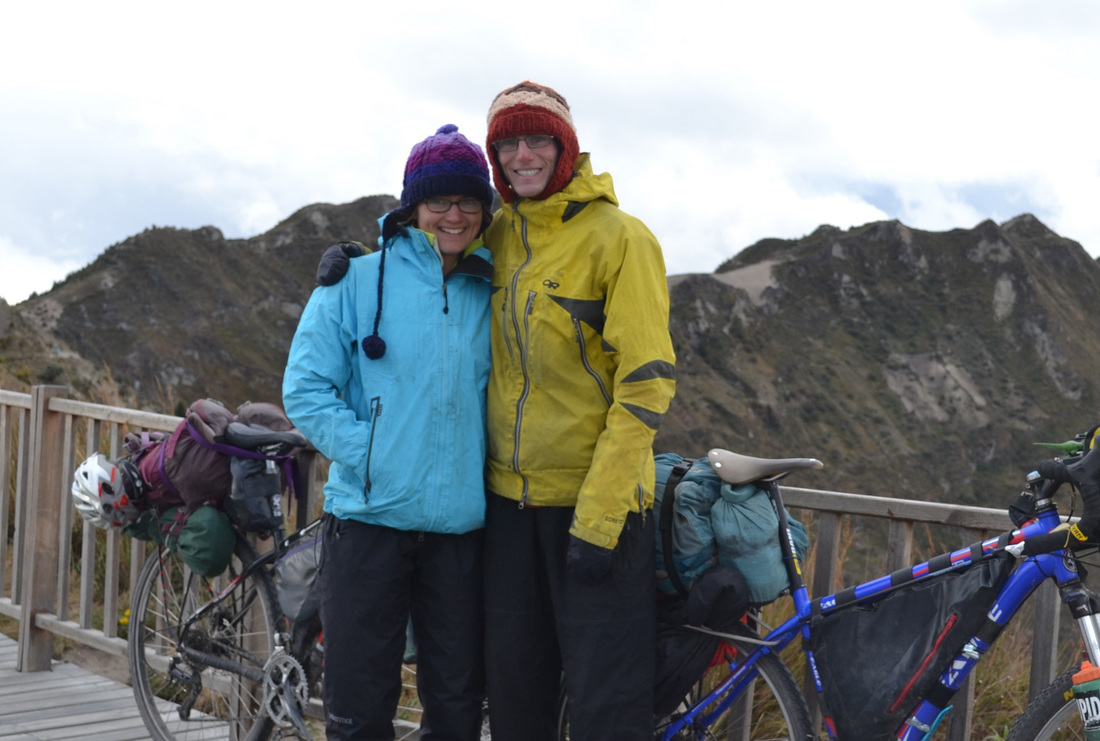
x: 584, y: 360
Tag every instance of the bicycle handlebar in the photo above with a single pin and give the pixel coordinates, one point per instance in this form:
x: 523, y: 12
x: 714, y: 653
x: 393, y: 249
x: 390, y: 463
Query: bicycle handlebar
x: 1083, y: 473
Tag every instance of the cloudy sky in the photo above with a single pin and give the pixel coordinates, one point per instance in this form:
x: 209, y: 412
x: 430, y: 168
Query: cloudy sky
x: 721, y: 122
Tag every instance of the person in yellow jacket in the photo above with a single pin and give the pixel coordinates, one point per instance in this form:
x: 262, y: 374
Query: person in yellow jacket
x: 582, y: 374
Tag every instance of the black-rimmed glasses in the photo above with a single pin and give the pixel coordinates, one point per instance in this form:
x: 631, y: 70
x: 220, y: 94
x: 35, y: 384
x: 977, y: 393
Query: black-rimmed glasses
x: 443, y: 205
x: 533, y: 141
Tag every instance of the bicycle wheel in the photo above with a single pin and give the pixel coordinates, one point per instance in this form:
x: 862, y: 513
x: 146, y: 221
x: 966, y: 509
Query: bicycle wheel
x: 777, y: 712
x: 1052, y: 716
x: 179, y: 691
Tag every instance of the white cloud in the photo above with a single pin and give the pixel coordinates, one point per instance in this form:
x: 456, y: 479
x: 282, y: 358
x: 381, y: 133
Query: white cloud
x: 722, y: 124
x: 26, y: 272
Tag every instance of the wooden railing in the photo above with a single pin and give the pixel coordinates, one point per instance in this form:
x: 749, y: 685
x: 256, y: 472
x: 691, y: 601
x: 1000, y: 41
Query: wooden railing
x: 57, y: 577
x: 54, y: 591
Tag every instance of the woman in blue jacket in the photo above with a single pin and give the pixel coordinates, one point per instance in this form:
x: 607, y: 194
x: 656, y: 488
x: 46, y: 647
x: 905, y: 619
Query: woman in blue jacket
x: 387, y: 377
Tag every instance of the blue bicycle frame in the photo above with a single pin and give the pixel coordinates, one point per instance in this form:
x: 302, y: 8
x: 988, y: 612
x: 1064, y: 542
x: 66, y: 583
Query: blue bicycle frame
x: 1030, y: 572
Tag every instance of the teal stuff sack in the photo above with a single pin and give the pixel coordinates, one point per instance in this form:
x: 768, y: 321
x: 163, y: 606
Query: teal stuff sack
x: 203, y: 538
x: 746, y: 529
x: 693, y: 547
x: 715, y: 522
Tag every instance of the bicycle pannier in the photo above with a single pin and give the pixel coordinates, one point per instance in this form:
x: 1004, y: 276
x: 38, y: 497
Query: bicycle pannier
x: 717, y: 600
x: 255, y: 501
x: 296, y: 580
x: 878, y: 660
x: 186, y: 467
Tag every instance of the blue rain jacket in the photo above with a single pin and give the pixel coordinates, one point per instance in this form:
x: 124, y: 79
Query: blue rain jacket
x: 406, y: 433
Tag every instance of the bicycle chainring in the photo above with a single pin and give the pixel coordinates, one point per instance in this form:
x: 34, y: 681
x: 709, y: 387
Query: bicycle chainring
x: 286, y: 691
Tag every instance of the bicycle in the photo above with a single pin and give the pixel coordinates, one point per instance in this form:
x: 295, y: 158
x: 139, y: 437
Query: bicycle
x: 730, y: 703
x: 216, y: 658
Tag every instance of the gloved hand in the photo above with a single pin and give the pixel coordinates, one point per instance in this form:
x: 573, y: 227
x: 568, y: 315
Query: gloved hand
x: 334, y: 263
x: 590, y: 564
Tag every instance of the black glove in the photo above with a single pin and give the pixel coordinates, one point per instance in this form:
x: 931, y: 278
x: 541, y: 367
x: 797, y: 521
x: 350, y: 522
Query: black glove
x: 334, y: 263
x: 590, y: 564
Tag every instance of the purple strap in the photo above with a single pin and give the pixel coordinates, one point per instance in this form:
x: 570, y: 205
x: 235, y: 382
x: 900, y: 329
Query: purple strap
x: 288, y: 463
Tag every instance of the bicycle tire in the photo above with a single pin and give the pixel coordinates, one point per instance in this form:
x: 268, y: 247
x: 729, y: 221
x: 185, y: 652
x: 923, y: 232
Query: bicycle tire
x: 778, y: 712
x: 1052, y: 715
x: 225, y: 704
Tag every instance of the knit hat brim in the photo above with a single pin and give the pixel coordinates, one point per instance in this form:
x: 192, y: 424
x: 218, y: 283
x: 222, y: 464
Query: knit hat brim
x: 526, y: 109
x: 448, y: 184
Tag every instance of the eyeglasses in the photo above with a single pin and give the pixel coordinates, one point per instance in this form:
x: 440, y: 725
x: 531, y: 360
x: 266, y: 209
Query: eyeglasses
x: 443, y: 205
x: 534, y: 141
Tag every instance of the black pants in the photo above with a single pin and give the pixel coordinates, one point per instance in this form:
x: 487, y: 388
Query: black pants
x: 541, y: 621
x: 372, y: 580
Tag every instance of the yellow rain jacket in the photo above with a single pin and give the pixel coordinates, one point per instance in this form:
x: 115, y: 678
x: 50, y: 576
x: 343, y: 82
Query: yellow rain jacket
x: 583, y: 366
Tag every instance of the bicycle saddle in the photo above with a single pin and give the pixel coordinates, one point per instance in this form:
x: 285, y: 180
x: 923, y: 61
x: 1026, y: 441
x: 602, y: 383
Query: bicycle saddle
x: 254, y: 437
x: 737, y: 469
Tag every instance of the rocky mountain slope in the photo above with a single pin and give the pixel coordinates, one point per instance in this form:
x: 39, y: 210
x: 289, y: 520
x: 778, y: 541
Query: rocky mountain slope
x: 913, y: 363
x: 176, y: 314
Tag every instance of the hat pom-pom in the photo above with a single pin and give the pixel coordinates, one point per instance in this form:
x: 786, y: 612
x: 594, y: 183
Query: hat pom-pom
x: 446, y: 129
x: 374, y: 346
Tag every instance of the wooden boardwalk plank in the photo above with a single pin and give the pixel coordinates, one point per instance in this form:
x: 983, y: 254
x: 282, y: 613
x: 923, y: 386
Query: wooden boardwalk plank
x: 62, y: 704
x: 68, y: 703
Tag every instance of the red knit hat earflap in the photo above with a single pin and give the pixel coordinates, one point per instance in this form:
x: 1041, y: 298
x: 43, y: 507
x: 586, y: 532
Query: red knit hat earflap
x: 530, y: 108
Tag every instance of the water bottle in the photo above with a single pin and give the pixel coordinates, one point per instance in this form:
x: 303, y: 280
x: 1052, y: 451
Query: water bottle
x: 1086, y: 690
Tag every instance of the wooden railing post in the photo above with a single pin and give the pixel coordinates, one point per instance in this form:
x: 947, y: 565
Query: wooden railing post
x: 46, y: 496
x: 1044, y: 647
x: 826, y: 570
x: 22, y: 463
x: 312, y: 482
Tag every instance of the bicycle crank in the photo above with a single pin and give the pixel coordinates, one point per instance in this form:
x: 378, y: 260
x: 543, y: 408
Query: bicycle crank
x: 286, y: 692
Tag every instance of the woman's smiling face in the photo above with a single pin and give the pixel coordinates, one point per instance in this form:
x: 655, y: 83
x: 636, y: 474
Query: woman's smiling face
x: 454, y: 229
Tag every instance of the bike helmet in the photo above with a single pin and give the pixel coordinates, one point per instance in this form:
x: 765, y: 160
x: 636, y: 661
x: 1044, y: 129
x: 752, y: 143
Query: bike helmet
x: 108, y: 495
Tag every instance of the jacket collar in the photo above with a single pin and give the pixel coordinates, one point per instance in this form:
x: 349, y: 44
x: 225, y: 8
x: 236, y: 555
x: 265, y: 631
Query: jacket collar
x: 584, y: 188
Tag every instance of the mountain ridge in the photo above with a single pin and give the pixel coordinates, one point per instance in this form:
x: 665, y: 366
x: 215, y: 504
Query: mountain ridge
x: 913, y: 363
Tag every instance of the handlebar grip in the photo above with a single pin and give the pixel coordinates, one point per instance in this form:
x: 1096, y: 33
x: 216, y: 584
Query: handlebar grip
x: 1083, y: 473
x: 1055, y: 470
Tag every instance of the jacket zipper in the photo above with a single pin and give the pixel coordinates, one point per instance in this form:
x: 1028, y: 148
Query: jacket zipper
x: 504, y: 324
x: 522, y: 343
x: 584, y: 361
x: 375, y: 413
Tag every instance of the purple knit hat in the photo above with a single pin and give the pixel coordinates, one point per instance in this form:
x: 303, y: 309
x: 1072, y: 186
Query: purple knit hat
x: 446, y: 164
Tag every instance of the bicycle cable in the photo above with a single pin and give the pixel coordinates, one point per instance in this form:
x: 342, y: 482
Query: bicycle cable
x: 732, y: 638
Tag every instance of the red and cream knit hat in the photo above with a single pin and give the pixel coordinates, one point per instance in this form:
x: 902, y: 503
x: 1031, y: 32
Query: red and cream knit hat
x: 530, y: 108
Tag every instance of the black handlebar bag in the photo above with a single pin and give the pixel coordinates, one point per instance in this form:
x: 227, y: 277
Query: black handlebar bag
x: 878, y: 660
